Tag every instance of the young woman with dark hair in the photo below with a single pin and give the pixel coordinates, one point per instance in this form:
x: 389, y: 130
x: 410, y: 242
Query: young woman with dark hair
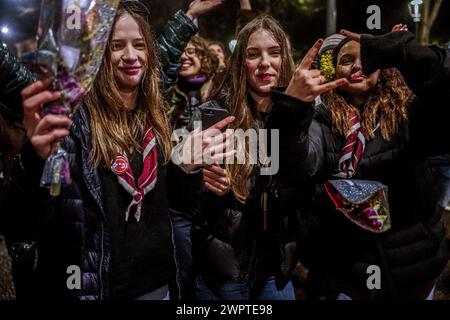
x: 387, y: 125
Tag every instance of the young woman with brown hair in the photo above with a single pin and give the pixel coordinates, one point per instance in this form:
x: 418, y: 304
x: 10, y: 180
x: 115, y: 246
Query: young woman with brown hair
x: 112, y: 221
x: 387, y: 125
x: 245, y: 227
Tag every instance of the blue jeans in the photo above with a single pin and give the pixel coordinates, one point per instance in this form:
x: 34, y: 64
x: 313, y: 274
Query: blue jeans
x: 239, y: 291
x: 182, y: 224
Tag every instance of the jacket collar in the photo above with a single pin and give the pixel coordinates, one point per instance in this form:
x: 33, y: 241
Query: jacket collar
x: 322, y: 114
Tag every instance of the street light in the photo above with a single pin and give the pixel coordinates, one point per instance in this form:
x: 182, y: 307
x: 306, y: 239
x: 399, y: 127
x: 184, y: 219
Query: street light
x: 5, y: 30
x: 414, y: 11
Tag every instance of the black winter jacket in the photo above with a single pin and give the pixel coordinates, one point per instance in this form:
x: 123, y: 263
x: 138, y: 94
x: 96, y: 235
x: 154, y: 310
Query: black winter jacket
x: 229, y: 241
x: 74, y: 226
x: 414, y: 251
x: 14, y: 77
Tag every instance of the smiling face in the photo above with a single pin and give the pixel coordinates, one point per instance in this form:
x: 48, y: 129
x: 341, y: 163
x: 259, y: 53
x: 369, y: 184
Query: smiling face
x: 128, y: 53
x: 263, y: 62
x: 216, y: 50
x: 190, y: 62
x: 349, y: 67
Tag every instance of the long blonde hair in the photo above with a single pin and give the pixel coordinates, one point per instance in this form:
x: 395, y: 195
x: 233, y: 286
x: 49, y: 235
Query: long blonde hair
x: 114, y: 128
x: 235, y: 92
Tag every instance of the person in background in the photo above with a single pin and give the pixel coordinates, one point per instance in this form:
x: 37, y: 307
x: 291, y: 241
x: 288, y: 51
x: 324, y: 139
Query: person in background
x: 195, y: 81
x: 217, y: 48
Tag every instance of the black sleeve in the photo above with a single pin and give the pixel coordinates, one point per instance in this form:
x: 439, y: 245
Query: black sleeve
x: 33, y: 165
x: 14, y: 77
x: 182, y: 188
x: 171, y: 43
x: 316, y: 152
x: 293, y: 118
x: 426, y: 69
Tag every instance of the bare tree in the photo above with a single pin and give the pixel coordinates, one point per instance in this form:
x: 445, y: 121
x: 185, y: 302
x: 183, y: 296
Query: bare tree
x: 430, y: 10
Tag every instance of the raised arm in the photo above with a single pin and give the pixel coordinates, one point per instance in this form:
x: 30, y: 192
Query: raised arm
x: 426, y: 69
x: 176, y: 35
x: 14, y: 77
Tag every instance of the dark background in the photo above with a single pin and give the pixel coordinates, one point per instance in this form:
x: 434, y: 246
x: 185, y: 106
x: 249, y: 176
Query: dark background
x: 303, y: 19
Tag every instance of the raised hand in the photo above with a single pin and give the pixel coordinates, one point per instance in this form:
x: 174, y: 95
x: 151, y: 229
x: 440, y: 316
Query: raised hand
x: 199, y: 7
x: 206, y: 147
x: 307, y: 84
x: 42, y: 131
x: 215, y: 179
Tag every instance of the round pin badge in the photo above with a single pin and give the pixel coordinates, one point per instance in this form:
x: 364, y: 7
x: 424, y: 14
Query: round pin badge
x: 120, y: 165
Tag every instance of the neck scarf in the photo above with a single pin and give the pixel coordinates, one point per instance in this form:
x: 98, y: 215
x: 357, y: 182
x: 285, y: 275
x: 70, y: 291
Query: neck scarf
x: 147, y: 180
x: 353, y: 149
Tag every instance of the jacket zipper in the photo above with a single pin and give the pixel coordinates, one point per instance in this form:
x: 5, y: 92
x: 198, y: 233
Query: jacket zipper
x: 177, y: 268
x: 101, y: 263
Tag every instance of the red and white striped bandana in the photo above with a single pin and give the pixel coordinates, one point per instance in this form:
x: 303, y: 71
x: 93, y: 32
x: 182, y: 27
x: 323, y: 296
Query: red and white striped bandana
x: 353, y: 150
x: 147, y: 180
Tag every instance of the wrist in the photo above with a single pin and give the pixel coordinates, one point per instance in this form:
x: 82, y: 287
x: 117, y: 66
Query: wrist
x: 190, y: 168
x: 191, y: 15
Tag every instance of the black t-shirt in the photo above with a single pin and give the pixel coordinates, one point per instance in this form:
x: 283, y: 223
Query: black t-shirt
x: 141, y: 252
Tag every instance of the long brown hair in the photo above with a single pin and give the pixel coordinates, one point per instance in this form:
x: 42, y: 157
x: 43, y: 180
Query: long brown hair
x: 114, y: 128
x: 235, y: 92
x: 387, y: 106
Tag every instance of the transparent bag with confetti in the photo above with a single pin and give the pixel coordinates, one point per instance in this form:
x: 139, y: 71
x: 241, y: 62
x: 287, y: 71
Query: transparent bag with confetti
x: 363, y: 202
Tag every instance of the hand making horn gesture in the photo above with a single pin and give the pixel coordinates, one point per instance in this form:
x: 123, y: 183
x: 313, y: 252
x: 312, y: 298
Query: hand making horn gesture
x: 307, y: 84
x: 352, y: 35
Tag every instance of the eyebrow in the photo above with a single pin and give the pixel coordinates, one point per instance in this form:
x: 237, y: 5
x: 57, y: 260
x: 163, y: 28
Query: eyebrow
x: 345, y: 55
x: 256, y: 48
x: 121, y: 39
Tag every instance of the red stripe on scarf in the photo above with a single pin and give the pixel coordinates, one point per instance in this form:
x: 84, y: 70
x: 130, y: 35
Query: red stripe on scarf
x: 146, y: 181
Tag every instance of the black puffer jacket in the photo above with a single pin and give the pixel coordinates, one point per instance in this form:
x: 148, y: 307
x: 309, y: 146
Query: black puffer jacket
x: 414, y: 251
x: 171, y: 43
x: 14, y: 77
x: 74, y: 227
x: 229, y: 241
